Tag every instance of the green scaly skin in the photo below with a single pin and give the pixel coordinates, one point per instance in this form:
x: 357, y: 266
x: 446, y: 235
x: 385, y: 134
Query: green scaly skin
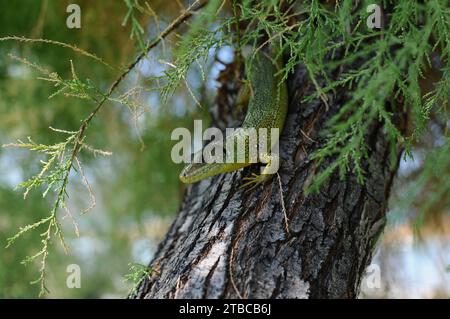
x: 267, y: 108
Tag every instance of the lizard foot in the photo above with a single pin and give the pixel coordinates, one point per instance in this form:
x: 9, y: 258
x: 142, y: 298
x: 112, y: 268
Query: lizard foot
x: 255, y: 180
x: 267, y: 173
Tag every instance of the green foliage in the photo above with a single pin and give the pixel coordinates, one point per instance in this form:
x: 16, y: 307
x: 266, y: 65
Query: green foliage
x: 135, y: 275
x: 195, y: 47
x: 14, y: 281
x: 137, y: 31
x: 377, y: 73
x: 384, y: 68
x: 54, y: 176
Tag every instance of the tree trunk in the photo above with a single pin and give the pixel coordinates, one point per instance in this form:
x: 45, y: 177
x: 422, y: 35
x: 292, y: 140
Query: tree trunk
x: 228, y: 243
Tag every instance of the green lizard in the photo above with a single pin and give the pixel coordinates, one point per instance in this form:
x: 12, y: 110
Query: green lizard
x: 267, y: 108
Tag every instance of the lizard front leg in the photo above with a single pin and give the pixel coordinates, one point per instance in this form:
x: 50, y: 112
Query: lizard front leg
x: 272, y: 162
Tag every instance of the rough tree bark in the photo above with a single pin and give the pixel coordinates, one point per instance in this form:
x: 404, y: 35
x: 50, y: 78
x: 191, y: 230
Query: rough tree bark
x: 227, y: 243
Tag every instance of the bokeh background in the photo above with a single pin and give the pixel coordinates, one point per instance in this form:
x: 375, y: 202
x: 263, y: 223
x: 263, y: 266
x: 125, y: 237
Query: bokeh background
x: 136, y: 189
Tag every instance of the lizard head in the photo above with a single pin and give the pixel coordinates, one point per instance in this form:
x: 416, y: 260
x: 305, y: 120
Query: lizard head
x: 197, y: 170
x: 192, y: 173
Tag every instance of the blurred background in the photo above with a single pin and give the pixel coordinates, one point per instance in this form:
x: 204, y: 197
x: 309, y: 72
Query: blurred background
x: 136, y: 189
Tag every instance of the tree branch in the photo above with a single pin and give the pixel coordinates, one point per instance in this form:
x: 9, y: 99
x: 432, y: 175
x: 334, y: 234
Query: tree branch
x: 185, y: 15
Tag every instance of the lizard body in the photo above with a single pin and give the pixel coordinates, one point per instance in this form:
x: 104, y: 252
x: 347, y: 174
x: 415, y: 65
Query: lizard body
x: 267, y: 108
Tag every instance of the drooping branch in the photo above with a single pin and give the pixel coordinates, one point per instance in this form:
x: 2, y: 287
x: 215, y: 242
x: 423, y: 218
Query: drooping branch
x: 85, y: 123
x: 55, y: 172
